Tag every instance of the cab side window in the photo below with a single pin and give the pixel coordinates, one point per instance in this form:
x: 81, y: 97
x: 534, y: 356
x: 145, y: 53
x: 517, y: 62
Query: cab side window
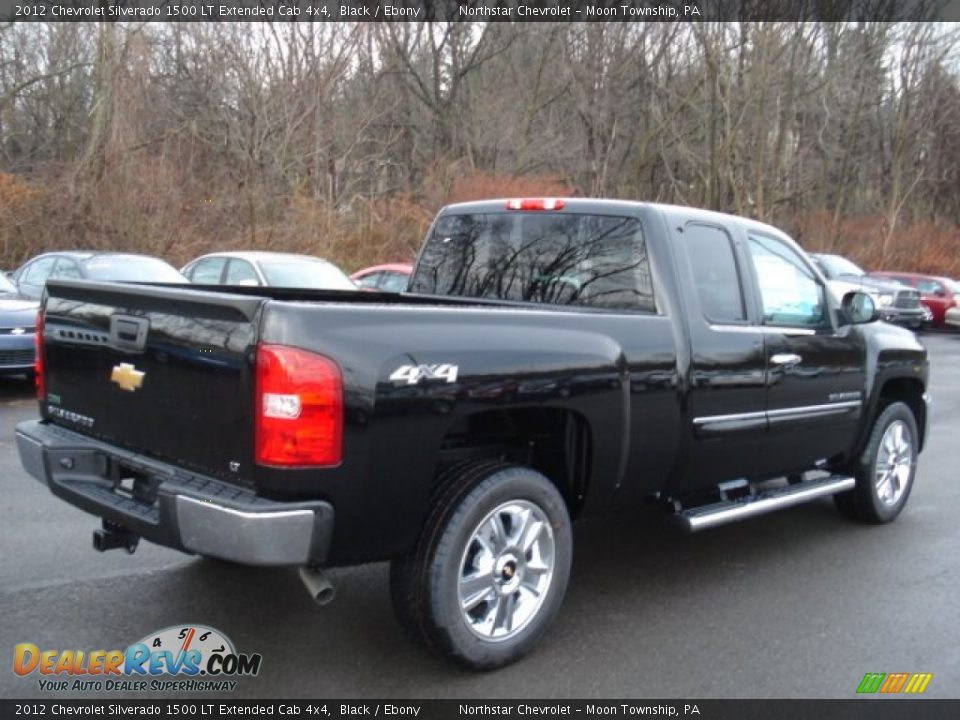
x: 240, y: 272
x: 930, y: 287
x: 715, y: 273
x: 208, y: 271
x: 67, y: 269
x: 369, y: 281
x: 39, y: 271
x: 393, y: 282
x: 789, y: 291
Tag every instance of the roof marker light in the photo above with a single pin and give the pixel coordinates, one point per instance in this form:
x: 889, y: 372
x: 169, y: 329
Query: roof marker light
x: 535, y: 204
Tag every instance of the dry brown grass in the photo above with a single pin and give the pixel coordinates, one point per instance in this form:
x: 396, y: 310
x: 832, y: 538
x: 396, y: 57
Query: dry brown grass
x: 922, y: 246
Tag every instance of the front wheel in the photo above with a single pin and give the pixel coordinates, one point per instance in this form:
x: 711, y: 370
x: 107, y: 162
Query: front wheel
x: 886, y: 469
x: 490, y: 572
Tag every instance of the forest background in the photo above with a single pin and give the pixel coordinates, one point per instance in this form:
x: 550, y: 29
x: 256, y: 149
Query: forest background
x: 343, y: 140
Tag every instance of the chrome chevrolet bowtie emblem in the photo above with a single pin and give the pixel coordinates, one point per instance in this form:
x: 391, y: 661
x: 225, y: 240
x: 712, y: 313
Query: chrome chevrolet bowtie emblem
x: 127, y: 377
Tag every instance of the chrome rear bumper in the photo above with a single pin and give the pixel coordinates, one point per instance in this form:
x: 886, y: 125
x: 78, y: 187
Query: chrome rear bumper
x: 171, y: 507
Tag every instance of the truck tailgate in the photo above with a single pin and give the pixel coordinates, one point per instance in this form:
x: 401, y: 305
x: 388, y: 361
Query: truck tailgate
x: 167, y: 372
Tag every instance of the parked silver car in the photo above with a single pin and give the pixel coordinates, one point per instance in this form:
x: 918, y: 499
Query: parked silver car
x: 31, y: 277
x: 267, y: 269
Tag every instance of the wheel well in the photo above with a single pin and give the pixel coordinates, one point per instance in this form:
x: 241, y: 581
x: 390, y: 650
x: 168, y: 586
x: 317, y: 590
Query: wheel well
x: 553, y: 441
x: 910, y: 392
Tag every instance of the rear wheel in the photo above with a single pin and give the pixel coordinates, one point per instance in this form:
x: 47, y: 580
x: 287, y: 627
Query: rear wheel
x: 404, y: 588
x: 886, y: 469
x: 491, y: 569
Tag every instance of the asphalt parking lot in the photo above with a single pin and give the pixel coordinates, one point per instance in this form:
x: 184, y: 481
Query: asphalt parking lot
x: 796, y: 604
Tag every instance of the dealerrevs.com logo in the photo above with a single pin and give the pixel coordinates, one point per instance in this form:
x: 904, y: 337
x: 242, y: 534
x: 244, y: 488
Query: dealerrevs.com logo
x: 197, y: 657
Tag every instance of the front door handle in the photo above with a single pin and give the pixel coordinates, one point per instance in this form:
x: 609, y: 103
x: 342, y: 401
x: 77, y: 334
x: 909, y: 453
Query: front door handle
x: 786, y: 359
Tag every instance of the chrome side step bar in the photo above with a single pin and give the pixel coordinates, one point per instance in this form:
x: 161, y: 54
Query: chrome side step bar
x: 708, y: 516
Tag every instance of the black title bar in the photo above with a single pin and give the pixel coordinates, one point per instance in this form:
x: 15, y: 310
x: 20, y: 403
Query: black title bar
x: 478, y: 10
x: 203, y: 706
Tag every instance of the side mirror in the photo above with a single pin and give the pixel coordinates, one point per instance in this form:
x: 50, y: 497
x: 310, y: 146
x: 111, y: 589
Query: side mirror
x: 859, y: 308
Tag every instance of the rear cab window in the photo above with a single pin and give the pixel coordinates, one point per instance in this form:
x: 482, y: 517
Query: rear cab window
x: 554, y: 258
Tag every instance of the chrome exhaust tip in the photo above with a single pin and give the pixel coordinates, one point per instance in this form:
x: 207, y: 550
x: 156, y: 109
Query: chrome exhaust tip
x: 318, y: 585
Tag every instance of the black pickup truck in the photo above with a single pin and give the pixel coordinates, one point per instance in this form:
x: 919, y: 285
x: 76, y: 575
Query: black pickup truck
x: 553, y: 359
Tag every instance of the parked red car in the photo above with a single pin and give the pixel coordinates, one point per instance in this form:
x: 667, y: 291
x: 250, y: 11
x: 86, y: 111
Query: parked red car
x: 937, y: 293
x: 392, y: 277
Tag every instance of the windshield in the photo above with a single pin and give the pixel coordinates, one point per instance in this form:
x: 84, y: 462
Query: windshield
x: 5, y: 285
x: 555, y: 258
x: 834, y: 265
x: 131, y: 268
x: 305, y: 273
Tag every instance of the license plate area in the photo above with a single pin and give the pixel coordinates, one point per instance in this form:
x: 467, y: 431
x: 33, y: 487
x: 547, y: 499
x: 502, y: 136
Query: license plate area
x: 133, y: 483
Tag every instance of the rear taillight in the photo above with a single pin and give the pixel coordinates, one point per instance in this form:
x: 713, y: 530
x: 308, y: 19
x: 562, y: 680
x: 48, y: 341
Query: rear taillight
x: 299, y: 408
x: 38, y: 359
x: 535, y: 204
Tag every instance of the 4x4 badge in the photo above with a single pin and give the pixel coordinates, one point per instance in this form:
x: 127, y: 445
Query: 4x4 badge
x: 127, y: 376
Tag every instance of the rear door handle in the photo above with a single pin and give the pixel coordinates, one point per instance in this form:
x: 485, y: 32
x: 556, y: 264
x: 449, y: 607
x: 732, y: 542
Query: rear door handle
x: 786, y: 359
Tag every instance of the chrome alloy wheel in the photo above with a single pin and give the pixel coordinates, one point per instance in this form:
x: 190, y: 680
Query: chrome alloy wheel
x: 894, y: 463
x: 506, y: 570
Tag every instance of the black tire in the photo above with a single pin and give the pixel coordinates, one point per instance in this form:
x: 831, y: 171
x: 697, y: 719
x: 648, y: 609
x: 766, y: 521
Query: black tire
x: 403, y: 570
x: 864, y: 502
x: 425, y: 585
x: 403, y: 596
